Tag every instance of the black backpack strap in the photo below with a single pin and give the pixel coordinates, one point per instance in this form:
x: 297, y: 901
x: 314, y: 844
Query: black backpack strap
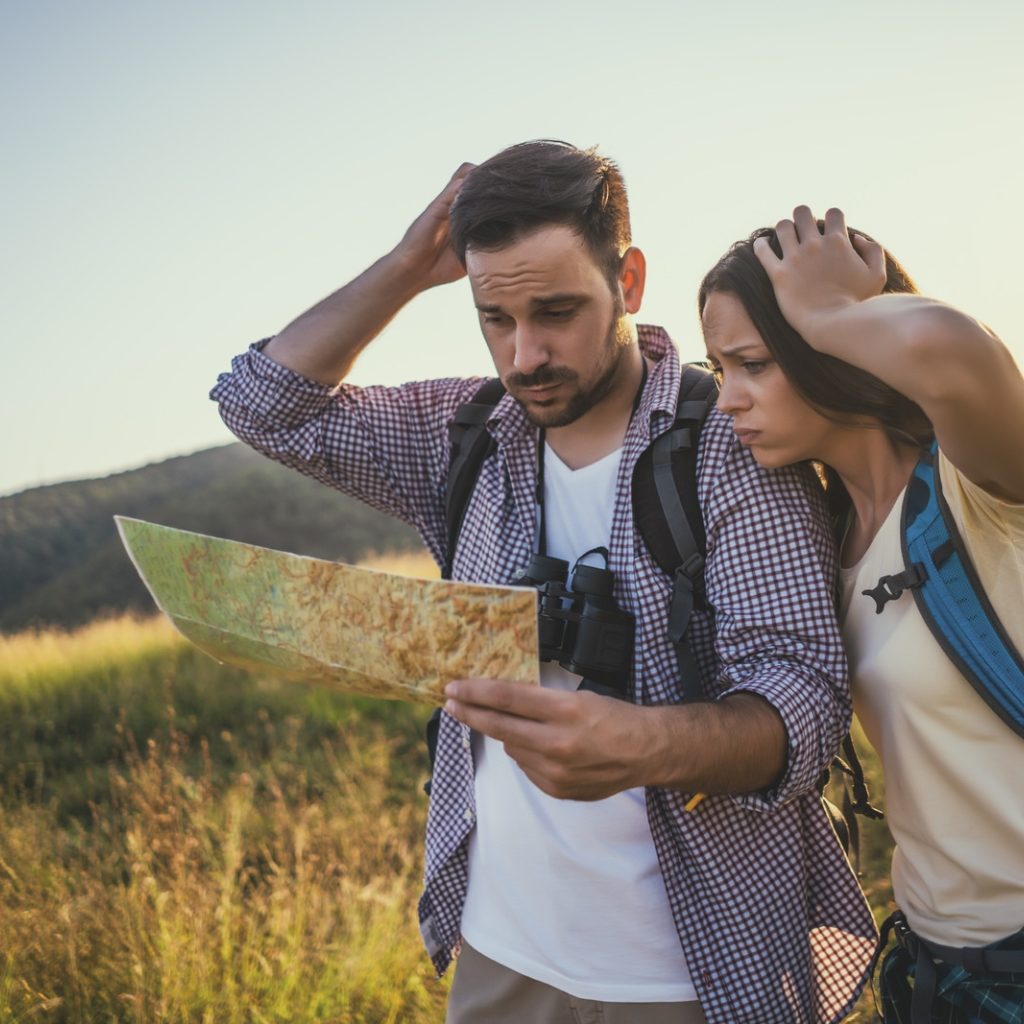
x: 929, y: 963
x: 844, y: 816
x: 861, y: 798
x: 667, y: 512
x: 851, y: 770
x: 471, y: 444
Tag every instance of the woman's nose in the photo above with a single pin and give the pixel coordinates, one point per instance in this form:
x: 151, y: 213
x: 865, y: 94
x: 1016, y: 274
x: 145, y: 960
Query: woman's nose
x: 732, y: 397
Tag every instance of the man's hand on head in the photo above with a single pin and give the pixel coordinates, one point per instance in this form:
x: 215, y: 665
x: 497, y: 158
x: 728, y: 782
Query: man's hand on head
x: 573, y: 745
x: 425, y: 251
x: 324, y: 342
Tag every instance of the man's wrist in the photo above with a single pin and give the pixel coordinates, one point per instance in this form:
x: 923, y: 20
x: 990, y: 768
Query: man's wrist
x: 735, y: 745
x: 406, y: 274
x: 665, y: 755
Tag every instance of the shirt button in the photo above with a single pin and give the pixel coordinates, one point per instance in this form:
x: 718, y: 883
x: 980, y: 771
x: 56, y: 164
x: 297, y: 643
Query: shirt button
x: 467, y: 815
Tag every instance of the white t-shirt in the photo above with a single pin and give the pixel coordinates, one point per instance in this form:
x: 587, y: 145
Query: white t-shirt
x: 570, y: 892
x: 954, y: 771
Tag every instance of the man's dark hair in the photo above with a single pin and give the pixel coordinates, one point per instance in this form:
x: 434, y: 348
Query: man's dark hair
x: 534, y: 184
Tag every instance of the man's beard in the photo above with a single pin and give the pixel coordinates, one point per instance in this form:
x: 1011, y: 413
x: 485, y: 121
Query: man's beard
x: 582, y: 400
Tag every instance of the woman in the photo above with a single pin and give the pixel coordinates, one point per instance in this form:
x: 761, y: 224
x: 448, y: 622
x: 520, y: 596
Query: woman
x: 825, y: 352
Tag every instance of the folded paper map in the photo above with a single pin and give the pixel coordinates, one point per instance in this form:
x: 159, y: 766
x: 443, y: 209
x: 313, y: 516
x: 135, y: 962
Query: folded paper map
x: 352, y: 629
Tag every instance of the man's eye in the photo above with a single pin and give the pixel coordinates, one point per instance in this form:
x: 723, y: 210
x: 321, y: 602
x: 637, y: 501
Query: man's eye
x: 559, y: 314
x: 495, y: 318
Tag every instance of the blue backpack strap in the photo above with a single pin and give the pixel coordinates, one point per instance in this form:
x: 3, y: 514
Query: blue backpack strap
x: 952, y: 600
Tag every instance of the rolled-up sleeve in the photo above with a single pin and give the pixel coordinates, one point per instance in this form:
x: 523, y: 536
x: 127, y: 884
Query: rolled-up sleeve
x: 386, y: 446
x: 770, y: 572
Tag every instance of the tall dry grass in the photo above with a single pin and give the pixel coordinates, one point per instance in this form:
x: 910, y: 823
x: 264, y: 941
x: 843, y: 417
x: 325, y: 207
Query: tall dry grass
x: 406, y: 563
x: 183, y: 842
x: 44, y: 660
x: 261, y: 897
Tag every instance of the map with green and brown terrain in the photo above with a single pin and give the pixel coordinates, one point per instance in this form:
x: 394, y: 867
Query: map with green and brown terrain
x: 354, y: 629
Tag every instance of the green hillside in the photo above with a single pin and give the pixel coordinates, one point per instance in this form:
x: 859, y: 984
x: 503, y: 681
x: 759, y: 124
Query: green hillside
x: 61, y: 561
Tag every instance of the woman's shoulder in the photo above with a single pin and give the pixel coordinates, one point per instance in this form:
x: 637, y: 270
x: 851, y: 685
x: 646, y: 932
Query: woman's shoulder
x: 968, y: 500
x: 993, y: 533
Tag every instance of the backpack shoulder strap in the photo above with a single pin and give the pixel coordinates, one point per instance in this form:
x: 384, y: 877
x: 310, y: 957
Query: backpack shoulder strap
x: 471, y: 443
x: 850, y: 771
x: 665, y: 505
x: 952, y: 600
x: 667, y: 512
x: 664, y: 494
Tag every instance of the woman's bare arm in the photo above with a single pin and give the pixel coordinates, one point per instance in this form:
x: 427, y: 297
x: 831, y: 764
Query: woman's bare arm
x: 955, y: 368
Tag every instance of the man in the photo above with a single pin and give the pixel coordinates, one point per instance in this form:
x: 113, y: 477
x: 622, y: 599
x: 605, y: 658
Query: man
x: 561, y: 857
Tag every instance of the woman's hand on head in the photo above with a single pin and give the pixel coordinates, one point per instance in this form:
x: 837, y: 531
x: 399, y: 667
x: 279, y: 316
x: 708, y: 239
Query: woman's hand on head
x: 958, y: 372
x: 820, y: 273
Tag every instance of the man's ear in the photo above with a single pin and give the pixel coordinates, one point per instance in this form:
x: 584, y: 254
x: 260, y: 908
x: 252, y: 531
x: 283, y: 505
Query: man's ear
x: 632, y: 278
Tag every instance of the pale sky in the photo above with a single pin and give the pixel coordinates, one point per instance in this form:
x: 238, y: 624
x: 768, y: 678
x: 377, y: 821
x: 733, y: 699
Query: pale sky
x: 180, y: 180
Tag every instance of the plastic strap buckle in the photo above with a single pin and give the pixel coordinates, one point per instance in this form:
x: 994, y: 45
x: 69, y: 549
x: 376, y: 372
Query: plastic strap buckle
x: 889, y: 588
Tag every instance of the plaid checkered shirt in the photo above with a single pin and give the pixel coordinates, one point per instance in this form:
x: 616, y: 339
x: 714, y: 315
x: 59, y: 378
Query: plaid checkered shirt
x: 770, y: 918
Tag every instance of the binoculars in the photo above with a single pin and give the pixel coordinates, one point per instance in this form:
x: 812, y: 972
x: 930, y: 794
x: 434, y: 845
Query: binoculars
x: 580, y: 626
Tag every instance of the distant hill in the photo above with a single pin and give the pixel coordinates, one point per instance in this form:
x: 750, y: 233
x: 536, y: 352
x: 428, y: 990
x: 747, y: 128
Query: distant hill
x: 62, y: 563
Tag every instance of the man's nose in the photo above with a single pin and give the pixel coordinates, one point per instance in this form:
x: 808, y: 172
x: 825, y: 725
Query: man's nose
x: 531, y: 352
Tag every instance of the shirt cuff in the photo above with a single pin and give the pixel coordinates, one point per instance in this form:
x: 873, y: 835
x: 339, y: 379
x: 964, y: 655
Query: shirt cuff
x: 269, y: 391
x: 811, y: 742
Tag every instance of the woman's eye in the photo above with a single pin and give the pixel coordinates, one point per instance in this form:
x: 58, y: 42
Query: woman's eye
x: 755, y: 366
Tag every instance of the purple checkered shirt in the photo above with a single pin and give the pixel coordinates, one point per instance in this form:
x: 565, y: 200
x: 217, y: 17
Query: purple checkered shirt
x: 769, y: 915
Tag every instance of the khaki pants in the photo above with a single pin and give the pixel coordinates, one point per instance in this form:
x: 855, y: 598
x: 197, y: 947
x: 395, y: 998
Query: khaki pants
x: 484, y: 992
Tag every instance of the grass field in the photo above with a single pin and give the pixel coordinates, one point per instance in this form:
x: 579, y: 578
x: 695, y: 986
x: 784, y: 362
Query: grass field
x: 183, y: 842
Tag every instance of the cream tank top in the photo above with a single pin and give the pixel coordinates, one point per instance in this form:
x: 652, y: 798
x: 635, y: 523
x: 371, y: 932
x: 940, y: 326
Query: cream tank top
x: 954, y: 772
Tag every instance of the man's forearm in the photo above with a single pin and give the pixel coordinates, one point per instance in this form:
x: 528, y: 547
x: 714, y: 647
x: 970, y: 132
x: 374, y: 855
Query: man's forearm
x: 323, y: 343
x: 735, y: 745
x: 580, y: 746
